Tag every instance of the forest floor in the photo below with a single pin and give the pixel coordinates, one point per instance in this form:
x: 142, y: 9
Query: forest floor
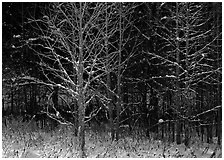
x: 23, y: 140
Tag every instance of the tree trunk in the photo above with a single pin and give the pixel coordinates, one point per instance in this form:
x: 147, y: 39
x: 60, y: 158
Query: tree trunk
x: 55, y: 97
x: 81, y: 129
x: 219, y: 125
x: 25, y: 99
x: 173, y: 131
x: 187, y: 137
x: 81, y: 94
x: 33, y: 100
x: 110, y: 108
x: 12, y: 100
x: 75, y: 117
x: 55, y: 103
x: 109, y: 82
x: 75, y: 107
x: 178, y: 137
x: 219, y: 86
x: 119, y: 74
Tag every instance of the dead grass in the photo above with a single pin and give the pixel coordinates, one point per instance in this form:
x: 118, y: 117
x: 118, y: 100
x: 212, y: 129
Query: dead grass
x: 20, y: 140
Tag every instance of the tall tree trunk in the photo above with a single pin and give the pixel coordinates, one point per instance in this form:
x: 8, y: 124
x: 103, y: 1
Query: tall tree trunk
x: 178, y: 137
x: 109, y: 83
x: 75, y: 80
x: 119, y: 73
x: 186, y: 140
x: 81, y: 98
x: 217, y: 11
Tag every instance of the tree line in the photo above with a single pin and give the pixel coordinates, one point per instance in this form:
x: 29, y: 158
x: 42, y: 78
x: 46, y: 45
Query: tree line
x: 117, y: 63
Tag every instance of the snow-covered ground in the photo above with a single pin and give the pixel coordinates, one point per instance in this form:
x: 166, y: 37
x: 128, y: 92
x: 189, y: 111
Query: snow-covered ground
x: 21, y: 140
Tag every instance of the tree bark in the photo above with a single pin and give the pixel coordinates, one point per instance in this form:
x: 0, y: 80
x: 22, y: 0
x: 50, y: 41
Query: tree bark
x: 109, y: 96
x: 119, y: 74
x: 219, y: 126
x: 81, y: 100
x: 55, y: 97
x: 187, y: 137
x: 12, y: 100
x: 178, y: 137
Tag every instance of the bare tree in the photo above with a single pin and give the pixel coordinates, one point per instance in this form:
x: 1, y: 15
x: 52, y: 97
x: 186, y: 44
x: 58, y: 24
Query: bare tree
x: 123, y: 53
x: 186, y: 48
x: 72, y: 53
x: 76, y: 45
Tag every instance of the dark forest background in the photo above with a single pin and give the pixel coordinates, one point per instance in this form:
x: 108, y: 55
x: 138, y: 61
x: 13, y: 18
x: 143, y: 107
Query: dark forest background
x: 152, y: 67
